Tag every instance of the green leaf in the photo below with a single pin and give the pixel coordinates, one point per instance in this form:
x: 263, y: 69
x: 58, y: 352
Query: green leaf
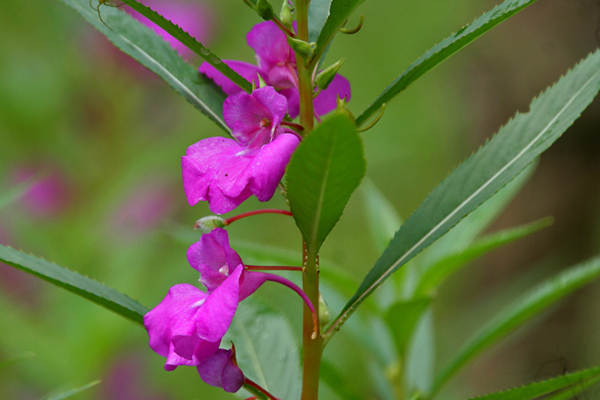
x: 337, y: 382
x: 72, y: 281
x: 517, y: 144
x: 339, y: 12
x: 515, y: 315
x: 72, y: 392
x: 535, y: 390
x: 318, y: 12
x: 443, y: 50
x: 420, y: 356
x: 574, y: 390
x: 402, y: 318
x: 382, y: 218
x: 324, y: 171
x: 266, y: 349
x: 144, y: 45
x: 437, y: 273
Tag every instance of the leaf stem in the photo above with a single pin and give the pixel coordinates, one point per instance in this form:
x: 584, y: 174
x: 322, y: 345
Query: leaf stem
x: 271, y: 268
x: 305, y: 86
x: 228, y: 221
x: 257, y: 390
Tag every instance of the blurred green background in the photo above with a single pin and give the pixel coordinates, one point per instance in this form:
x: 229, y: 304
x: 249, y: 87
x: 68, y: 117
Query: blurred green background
x: 108, y: 135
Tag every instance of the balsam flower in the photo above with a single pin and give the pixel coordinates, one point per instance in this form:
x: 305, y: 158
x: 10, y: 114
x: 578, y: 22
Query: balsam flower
x: 226, y: 172
x: 277, y: 67
x: 188, y: 325
x: 221, y: 370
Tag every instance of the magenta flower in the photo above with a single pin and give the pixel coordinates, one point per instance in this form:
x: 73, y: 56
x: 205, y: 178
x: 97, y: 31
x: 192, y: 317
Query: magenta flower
x: 225, y: 172
x: 188, y: 325
x: 277, y: 67
x: 221, y: 370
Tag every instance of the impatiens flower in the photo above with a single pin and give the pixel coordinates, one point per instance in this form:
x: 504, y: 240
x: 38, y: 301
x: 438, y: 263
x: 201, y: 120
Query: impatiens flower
x: 221, y: 370
x: 277, y: 67
x: 226, y: 172
x: 188, y: 325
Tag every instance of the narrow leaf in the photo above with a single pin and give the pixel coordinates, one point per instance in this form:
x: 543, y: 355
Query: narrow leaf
x: 402, y: 317
x: 72, y: 392
x: 517, y: 144
x: 437, y: 273
x: 318, y: 12
x: 538, y: 389
x: 382, y: 218
x: 339, y: 12
x: 266, y: 349
x: 337, y: 382
x: 443, y: 50
x: 515, y: 315
x: 72, y: 281
x: 324, y: 171
x: 144, y: 45
x: 574, y: 390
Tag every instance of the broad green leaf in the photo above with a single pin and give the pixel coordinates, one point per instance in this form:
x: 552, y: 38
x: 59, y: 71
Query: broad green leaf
x: 72, y: 392
x: 339, y: 12
x: 495, y: 164
x: 324, y: 171
x: 535, y: 390
x: 515, y: 315
x: 437, y: 273
x: 382, y: 218
x: 72, y: 281
x: 266, y: 349
x: 143, y: 44
x: 13, y: 360
x: 318, y: 12
x: 443, y: 50
x: 337, y: 382
x: 402, y: 317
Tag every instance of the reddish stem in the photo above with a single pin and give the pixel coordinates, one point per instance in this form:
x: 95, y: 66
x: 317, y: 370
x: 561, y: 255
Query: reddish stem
x: 259, y: 388
x: 256, y: 212
x: 296, y: 288
x: 271, y: 268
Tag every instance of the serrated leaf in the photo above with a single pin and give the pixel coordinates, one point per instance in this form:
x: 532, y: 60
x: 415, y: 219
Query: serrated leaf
x: 72, y: 281
x: 144, y: 45
x: 339, y: 12
x: 495, y: 164
x: 574, y: 390
x: 443, y: 50
x: 437, y: 273
x: 534, y: 390
x: 324, y: 171
x: 515, y: 315
x: 72, y: 392
x: 266, y: 349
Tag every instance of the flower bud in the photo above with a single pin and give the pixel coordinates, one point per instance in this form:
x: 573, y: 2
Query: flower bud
x: 324, y: 314
x: 326, y: 76
x: 285, y: 15
x: 207, y: 224
x: 301, y: 47
x: 264, y: 9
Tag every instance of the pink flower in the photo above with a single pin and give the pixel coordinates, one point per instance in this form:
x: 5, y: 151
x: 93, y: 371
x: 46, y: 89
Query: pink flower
x: 277, y: 67
x: 226, y: 172
x: 221, y: 370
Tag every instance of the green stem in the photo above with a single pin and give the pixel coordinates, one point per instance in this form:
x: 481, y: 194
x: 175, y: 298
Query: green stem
x: 312, y: 344
x: 305, y: 86
x: 191, y: 43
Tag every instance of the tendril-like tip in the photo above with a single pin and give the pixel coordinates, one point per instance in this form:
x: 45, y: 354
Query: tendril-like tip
x: 354, y: 30
x: 375, y: 121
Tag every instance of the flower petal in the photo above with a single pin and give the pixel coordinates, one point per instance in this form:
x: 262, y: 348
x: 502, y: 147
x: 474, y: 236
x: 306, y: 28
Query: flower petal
x: 219, y: 370
x: 326, y: 101
x: 270, y: 45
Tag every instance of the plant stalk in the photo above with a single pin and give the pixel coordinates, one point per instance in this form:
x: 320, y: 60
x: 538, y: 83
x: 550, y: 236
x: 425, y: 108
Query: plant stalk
x: 305, y: 86
x: 312, y: 344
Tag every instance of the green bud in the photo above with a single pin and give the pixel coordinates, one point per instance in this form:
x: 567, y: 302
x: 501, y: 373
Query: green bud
x: 326, y: 76
x: 264, y: 9
x: 301, y: 47
x: 207, y: 224
x: 324, y: 314
x: 286, y: 15
x: 344, y: 110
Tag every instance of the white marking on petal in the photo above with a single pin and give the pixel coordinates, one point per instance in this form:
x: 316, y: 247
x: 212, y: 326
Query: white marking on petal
x: 224, y: 270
